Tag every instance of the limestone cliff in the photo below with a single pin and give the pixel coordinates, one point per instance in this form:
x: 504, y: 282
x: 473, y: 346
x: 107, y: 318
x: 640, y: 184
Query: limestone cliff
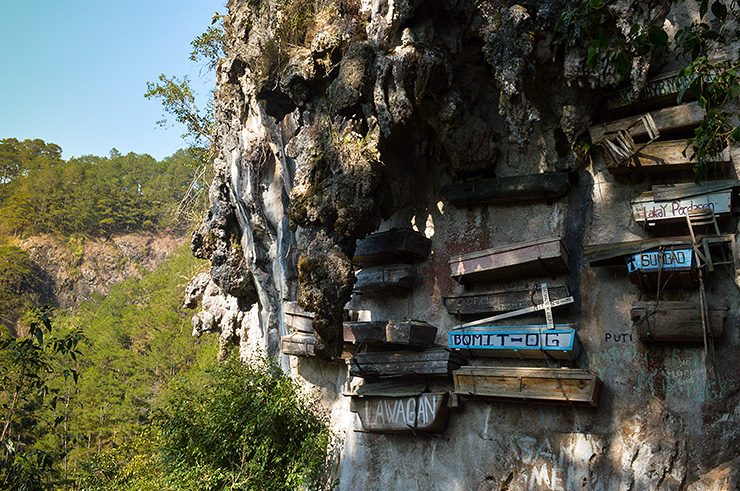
x: 340, y: 118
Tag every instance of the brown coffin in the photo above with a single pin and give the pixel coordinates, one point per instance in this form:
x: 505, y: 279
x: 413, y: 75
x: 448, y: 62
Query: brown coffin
x: 545, y: 186
x: 540, y: 257
x: 675, y: 321
x: 666, y: 120
x: 405, y: 333
x: 385, y: 279
x: 399, y: 245
x: 297, y: 319
x: 494, y: 302
x: 435, y: 361
x: 427, y: 412
x: 665, y: 156
x: 298, y: 344
x: 561, y: 385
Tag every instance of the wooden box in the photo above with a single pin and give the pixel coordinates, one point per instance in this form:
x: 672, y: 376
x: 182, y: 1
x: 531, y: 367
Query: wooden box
x: 298, y: 344
x: 530, y: 341
x: 540, y: 257
x: 665, y: 156
x: 392, y: 332
x: 561, y: 385
x: 663, y: 88
x: 671, y: 266
x: 666, y: 120
x: 670, y: 204
x: 430, y: 362
x: 398, y: 245
x: 297, y: 319
x: 547, y: 186
x: 675, y: 321
x: 426, y: 412
x: 385, y: 279
x: 495, y: 302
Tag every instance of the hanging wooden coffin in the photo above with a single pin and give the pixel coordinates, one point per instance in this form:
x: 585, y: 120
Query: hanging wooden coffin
x: 541, y: 257
x: 427, y: 412
x: 493, y: 302
x: 531, y: 341
x: 664, y: 87
x: 672, y: 266
x: 666, y: 120
x: 385, y: 279
x: 404, y: 333
x: 560, y: 385
x: 297, y: 319
x: 665, y: 156
x: 429, y: 362
x: 298, y: 344
x: 675, y: 321
x: 670, y: 204
x: 398, y: 245
x: 546, y: 186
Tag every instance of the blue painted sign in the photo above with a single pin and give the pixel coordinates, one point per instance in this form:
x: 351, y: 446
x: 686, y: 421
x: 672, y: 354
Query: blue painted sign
x: 510, y: 340
x: 670, y: 260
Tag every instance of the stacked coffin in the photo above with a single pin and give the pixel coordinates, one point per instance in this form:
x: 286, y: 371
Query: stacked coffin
x: 399, y: 363
x: 647, y: 134
x: 301, y: 338
x: 387, y: 261
x: 555, y: 343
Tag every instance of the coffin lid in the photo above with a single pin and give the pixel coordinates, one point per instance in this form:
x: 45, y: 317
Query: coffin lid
x: 391, y: 388
x: 533, y: 289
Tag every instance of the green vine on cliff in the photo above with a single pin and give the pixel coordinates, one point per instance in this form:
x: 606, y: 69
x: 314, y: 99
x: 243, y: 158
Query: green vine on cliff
x: 715, y: 84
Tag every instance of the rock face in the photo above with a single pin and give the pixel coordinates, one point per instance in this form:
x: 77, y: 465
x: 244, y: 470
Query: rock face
x: 337, y: 119
x: 78, y: 268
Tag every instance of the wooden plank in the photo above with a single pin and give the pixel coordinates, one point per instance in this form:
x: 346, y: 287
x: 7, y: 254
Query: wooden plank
x: 675, y: 321
x: 530, y: 341
x: 430, y: 362
x: 391, y: 332
x: 427, y: 412
x: 297, y: 319
x: 541, y: 257
x: 545, y: 186
x: 665, y: 156
x: 668, y: 119
x: 493, y: 302
x: 392, y: 388
x: 385, y: 279
x: 398, y: 245
x: 646, y: 210
x: 562, y: 385
x: 671, y: 192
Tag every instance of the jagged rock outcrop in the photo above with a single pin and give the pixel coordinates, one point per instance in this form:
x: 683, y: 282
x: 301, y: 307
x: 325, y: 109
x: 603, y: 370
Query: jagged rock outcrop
x: 336, y: 119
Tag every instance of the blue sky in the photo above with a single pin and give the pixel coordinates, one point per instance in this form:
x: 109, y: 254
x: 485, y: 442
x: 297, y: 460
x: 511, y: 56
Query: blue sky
x: 74, y: 72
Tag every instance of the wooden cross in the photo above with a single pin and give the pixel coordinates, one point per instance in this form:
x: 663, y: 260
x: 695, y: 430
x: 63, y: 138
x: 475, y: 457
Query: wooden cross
x: 546, y: 305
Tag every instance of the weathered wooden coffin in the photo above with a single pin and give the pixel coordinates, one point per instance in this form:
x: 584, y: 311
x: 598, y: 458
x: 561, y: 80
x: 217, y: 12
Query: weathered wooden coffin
x: 672, y: 266
x: 541, y: 257
x: 670, y: 204
x: 426, y: 412
x: 531, y: 341
x: 297, y: 319
x: 665, y: 156
x: 298, y: 344
x: 675, y: 321
x: 392, y: 332
x: 546, y: 186
x: 561, y: 385
x: 385, y: 279
x: 398, y: 245
x: 664, y: 87
x: 494, y: 302
x: 666, y: 120
x: 429, y: 362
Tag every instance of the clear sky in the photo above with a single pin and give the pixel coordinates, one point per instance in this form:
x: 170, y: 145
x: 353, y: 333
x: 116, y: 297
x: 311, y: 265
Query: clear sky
x: 74, y: 72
